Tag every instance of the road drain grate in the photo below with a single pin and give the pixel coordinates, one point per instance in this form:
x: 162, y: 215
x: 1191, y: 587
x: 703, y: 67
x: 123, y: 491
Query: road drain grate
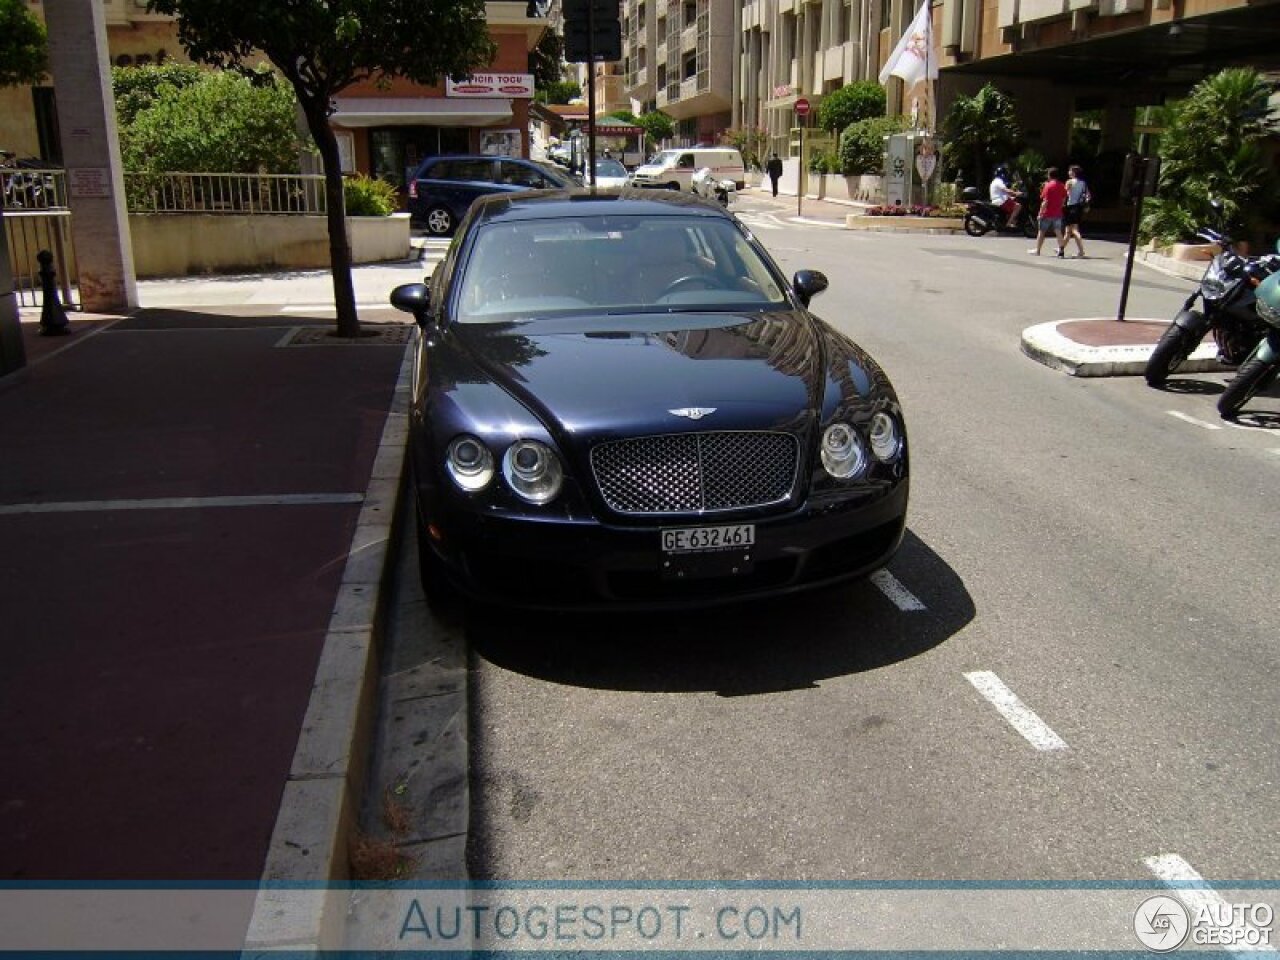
x: 371, y: 335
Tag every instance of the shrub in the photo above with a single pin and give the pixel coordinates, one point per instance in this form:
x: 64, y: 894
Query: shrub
x: 857, y: 101
x: 915, y: 210
x: 223, y: 122
x: 138, y: 88
x: 979, y: 131
x: 1213, y: 148
x: 862, y: 143
x: 367, y: 197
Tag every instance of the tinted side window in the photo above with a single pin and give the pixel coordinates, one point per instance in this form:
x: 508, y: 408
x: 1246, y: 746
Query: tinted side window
x: 520, y: 175
x: 685, y: 162
x: 462, y: 170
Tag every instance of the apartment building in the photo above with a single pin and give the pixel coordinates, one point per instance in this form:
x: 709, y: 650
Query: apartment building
x: 678, y: 57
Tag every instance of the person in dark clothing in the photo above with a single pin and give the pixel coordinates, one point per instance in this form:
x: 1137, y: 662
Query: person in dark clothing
x: 774, y: 169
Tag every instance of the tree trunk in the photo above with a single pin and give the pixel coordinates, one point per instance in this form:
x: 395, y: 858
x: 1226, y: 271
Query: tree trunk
x: 344, y: 296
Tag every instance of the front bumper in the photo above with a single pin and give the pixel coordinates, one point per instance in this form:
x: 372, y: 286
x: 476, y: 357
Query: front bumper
x: 557, y: 564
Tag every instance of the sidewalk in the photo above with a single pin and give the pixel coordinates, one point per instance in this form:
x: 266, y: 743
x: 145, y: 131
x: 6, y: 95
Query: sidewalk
x: 196, y: 508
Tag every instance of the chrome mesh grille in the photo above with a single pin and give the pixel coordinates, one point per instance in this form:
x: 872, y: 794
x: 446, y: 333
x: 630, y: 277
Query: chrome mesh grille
x: 696, y: 472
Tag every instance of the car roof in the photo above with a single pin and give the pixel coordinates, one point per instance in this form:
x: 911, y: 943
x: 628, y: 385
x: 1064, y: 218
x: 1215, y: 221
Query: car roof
x: 551, y: 204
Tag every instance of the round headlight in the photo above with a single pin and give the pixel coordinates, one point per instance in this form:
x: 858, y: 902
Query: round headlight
x: 470, y: 463
x: 886, y: 442
x: 842, y: 452
x: 533, y: 470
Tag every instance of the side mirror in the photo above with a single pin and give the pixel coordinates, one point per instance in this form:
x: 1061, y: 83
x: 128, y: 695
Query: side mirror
x: 414, y: 298
x: 808, y: 284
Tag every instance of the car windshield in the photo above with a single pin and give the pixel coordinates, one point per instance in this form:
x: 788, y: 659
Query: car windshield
x: 555, y: 175
x: 665, y: 157
x: 610, y: 168
x: 519, y: 270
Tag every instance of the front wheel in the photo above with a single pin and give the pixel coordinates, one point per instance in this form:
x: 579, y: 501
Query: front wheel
x: 1254, y: 374
x: 973, y: 226
x: 1174, y: 347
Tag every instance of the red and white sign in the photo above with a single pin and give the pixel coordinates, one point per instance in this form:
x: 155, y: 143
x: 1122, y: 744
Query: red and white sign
x: 492, y: 85
x: 802, y: 107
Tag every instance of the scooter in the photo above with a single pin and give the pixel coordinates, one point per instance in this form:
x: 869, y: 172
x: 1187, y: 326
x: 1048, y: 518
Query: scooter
x: 983, y: 216
x: 1261, y: 368
x: 1226, y: 292
x: 706, y: 184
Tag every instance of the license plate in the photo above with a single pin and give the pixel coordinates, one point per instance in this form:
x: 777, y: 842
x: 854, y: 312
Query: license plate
x: 702, y: 539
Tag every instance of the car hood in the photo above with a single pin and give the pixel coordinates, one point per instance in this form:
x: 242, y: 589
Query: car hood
x: 589, y: 381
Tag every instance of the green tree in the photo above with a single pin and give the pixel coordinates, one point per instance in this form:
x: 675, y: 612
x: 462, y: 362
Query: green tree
x: 324, y: 46
x: 862, y: 143
x: 558, y: 91
x: 980, y: 131
x: 137, y: 88
x: 657, y: 126
x: 1213, y: 148
x: 24, y: 46
x: 223, y: 122
x: 857, y: 101
x: 546, y: 60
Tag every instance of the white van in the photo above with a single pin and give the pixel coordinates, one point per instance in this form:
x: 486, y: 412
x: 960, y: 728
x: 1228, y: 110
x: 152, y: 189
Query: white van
x: 674, y: 169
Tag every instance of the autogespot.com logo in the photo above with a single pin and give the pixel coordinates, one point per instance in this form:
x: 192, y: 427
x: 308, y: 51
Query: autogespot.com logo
x: 1161, y: 923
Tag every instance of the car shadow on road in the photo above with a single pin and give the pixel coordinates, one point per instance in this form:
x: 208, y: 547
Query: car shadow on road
x: 783, y: 644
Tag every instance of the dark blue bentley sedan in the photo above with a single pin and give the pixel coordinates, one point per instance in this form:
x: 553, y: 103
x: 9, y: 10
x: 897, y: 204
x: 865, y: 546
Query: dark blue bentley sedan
x: 621, y: 401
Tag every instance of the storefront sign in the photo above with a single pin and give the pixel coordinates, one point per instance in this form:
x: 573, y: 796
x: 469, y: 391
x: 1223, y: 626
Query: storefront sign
x: 492, y: 85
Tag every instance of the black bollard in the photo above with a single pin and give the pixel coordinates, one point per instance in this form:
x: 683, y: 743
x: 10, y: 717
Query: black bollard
x: 53, y: 319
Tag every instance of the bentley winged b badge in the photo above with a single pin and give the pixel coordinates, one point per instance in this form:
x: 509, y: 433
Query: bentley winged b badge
x: 693, y: 413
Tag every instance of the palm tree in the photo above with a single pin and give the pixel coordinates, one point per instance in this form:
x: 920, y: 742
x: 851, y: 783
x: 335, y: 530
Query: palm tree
x: 980, y: 131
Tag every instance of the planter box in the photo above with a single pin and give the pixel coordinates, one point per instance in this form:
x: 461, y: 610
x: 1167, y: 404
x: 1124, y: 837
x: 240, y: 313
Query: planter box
x: 1193, y: 251
x: 182, y: 244
x: 859, y: 221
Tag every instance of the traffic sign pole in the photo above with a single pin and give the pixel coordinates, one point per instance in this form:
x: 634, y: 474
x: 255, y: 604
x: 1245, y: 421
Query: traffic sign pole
x: 802, y: 111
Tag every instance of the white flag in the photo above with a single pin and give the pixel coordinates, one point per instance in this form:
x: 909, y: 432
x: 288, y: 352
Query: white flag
x: 913, y: 58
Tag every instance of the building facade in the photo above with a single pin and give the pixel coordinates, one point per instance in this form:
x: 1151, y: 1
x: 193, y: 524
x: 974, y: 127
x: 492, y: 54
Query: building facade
x: 678, y: 57
x: 382, y: 130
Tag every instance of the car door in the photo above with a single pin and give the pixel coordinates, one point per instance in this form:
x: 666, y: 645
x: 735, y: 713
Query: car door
x: 456, y: 181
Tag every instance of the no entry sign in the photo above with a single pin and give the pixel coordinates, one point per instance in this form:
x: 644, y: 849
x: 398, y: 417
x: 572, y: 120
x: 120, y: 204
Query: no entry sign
x: 802, y: 107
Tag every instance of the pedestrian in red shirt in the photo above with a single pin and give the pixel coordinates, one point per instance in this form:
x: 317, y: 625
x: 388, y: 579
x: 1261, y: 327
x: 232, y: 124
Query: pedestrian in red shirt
x: 1053, y: 197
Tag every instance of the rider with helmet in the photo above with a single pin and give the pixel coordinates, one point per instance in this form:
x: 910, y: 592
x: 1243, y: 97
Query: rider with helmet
x: 1003, y: 195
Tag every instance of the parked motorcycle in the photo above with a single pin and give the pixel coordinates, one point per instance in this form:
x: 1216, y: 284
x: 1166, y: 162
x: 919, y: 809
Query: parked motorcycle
x: 1261, y: 368
x: 1227, y: 293
x: 706, y: 184
x: 982, y: 216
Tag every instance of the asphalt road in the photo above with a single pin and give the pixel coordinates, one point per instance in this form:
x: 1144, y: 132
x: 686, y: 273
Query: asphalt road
x: 1100, y: 551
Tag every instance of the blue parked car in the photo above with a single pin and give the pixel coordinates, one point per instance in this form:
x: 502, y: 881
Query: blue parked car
x: 443, y: 188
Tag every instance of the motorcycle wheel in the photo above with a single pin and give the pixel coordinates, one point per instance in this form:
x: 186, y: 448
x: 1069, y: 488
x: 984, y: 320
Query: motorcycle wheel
x: 1254, y: 375
x: 1174, y: 347
x: 1030, y: 228
x: 973, y: 226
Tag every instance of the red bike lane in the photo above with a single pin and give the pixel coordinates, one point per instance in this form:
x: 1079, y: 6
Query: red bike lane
x: 178, y: 494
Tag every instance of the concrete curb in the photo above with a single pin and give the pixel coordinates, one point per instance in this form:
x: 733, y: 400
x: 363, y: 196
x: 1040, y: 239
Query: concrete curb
x: 320, y: 806
x: 1044, y: 344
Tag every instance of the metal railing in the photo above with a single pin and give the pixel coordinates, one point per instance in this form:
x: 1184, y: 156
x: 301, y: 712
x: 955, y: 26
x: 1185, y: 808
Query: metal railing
x: 31, y: 188
x: 29, y: 231
x: 239, y: 193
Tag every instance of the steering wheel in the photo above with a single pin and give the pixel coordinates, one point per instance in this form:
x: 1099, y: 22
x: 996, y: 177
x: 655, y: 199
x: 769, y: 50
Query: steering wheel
x: 679, y: 282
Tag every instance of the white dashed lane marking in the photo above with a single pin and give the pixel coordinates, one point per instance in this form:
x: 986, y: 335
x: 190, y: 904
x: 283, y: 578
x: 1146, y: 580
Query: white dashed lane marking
x: 1192, y: 420
x: 1019, y: 715
x: 901, y: 597
x: 1198, y: 896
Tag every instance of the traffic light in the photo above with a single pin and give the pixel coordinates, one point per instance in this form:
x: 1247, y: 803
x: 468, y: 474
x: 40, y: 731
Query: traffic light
x: 592, y: 31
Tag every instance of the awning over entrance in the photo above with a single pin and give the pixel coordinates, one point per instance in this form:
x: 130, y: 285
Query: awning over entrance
x: 1173, y: 55
x: 420, y: 111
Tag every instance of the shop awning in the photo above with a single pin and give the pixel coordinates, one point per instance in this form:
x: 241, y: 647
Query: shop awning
x: 420, y: 111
